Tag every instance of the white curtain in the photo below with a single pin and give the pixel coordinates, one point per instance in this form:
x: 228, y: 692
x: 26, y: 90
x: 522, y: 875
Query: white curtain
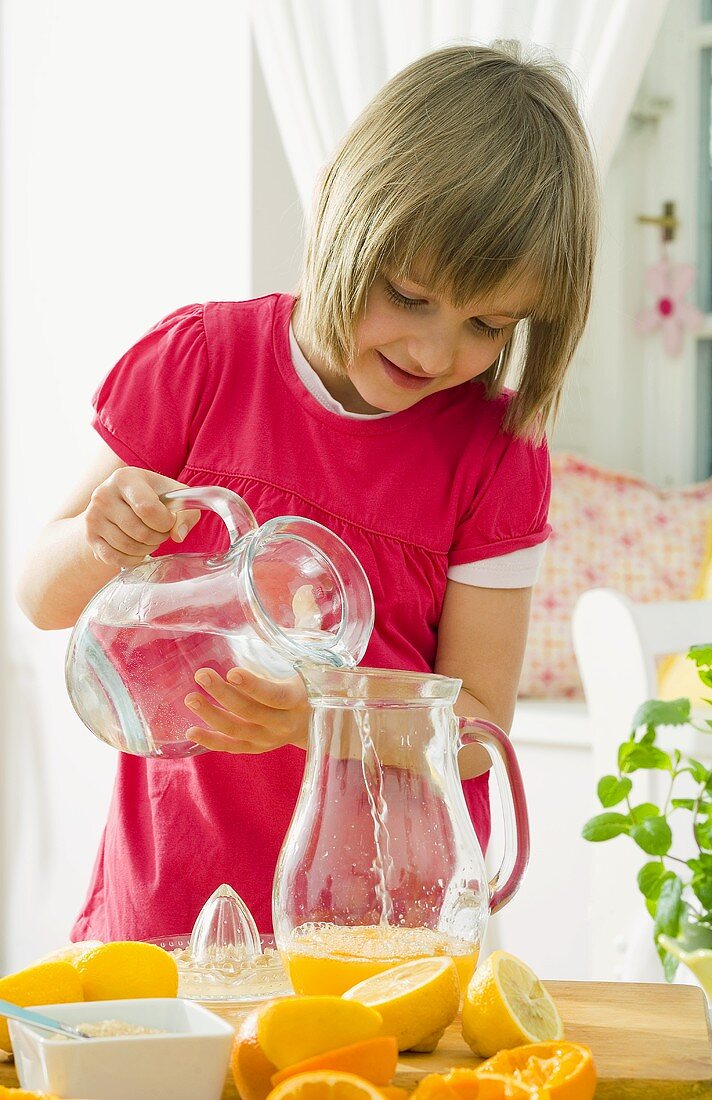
x: 323, y: 59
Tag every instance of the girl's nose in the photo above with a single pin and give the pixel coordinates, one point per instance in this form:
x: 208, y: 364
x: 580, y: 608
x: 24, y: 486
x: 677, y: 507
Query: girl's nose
x: 435, y: 360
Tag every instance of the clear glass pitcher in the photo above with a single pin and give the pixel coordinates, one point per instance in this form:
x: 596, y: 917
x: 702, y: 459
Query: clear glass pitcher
x: 284, y: 592
x: 381, y: 863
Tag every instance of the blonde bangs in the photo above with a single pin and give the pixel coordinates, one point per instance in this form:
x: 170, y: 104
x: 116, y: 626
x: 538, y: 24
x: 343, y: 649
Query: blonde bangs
x: 471, y: 173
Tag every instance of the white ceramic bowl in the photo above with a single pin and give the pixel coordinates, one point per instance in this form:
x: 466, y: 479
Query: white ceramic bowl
x: 188, y: 1063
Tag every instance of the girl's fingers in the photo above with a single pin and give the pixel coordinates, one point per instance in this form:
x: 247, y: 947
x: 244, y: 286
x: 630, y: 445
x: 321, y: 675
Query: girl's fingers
x: 102, y: 551
x: 220, y: 742
x: 145, y: 503
x: 123, y: 542
x: 127, y: 521
x: 231, y: 725
x: 239, y: 703
x: 279, y: 694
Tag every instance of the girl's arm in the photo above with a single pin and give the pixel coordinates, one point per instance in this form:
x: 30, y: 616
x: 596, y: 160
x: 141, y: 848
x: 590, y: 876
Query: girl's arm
x: 76, y: 553
x: 481, y: 640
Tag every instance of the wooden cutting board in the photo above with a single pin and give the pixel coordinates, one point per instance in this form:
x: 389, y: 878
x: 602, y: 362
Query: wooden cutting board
x: 650, y: 1042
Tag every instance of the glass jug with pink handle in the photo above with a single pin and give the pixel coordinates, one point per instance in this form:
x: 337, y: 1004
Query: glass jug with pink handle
x: 381, y: 862
x: 287, y: 591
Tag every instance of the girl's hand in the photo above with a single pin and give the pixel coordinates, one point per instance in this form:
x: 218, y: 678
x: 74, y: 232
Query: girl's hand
x: 125, y: 519
x: 252, y: 714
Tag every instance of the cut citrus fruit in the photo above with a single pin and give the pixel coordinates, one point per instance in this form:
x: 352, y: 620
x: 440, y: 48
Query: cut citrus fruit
x: 565, y: 1070
x: 506, y: 1005
x: 326, y: 1085
x: 49, y: 983
x: 464, y: 1084
x: 23, y: 1094
x: 298, y: 1028
x: 122, y: 970
x: 373, y: 1059
x: 416, y: 999
x: 251, y: 1068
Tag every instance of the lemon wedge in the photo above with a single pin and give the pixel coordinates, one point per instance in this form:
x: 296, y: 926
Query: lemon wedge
x: 505, y: 1006
x: 298, y: 1028
x: 417, y: 1000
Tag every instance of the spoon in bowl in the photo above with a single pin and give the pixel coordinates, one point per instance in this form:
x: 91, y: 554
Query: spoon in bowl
x: 36, y: 1019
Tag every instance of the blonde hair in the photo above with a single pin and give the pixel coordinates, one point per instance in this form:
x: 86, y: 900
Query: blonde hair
x: 474, y: 164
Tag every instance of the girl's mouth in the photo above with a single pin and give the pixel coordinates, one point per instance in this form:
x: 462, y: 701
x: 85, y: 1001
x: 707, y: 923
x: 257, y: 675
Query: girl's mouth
x: 402, y: 377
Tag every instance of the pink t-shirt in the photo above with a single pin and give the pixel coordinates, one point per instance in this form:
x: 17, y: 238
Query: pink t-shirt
x: 210, y: 397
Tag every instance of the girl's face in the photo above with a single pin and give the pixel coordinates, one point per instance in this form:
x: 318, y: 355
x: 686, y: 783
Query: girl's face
x: 410, y: 344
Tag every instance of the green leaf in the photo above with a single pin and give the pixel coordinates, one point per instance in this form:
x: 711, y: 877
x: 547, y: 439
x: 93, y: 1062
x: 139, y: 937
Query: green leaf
x: 612, y: 790
x: 703, y: 834
x: 632, y: 756
x: 644, y: 811
x: 670, y: 908
x: 683, y: 803
x: 702, y: 888
x: 698, y: 771
x: 652, y: 835
x: 651, y: 905
x: 651, y: 877
x: 605, y: 827
x: 701, y: 655
x: 701, y: 864
x: 656, y: 712
x: 670, y: 964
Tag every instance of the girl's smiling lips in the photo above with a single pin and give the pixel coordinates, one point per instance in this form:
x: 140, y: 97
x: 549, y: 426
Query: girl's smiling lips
x: 402, y: 377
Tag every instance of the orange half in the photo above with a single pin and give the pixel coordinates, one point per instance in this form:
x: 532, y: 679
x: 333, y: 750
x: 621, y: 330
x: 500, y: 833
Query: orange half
x: 373, y: 1059
x: 326, y: 1085
x: 565, y: 1069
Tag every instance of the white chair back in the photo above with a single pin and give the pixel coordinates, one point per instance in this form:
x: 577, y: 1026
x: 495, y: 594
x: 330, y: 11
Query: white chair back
x: 618, y: 644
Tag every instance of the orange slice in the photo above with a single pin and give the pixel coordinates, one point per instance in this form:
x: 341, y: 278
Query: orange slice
x: 373, y: 1059
x: 464, y: 1084
x: 326, y: 1085
x: 566, y: 1070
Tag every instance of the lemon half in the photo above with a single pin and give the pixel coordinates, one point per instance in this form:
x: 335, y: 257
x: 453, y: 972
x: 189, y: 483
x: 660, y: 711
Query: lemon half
x: 505, y: 1006
x: 416, y: 999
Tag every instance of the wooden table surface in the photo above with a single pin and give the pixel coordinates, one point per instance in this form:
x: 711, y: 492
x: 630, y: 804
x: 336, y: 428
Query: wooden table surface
x: 649, y: 1042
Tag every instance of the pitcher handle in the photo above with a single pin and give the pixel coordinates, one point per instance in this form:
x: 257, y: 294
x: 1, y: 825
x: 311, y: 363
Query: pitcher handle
x: 514, y: 806
x: 235, y: 514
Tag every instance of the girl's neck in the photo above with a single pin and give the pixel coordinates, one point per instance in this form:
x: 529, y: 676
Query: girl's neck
x: 337, y: 384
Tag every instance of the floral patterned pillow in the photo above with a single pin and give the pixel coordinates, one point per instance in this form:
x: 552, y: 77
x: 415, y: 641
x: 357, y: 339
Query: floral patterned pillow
x: 610, y: 530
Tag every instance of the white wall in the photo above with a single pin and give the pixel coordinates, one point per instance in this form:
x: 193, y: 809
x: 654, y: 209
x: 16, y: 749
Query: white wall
x: 126, y: 178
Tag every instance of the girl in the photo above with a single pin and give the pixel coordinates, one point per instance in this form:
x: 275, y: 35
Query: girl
x: 453, y: 229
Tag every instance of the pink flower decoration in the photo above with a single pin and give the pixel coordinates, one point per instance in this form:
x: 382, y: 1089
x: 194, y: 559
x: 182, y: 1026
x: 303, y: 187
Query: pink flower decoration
x: 671, y: 313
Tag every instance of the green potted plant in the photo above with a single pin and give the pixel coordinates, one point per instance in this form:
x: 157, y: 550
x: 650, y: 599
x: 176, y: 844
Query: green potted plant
x: 677, y: 891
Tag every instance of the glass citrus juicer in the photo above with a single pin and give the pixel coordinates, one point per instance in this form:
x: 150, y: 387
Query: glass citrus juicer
x: 287, y: 591
x: 381, y: 863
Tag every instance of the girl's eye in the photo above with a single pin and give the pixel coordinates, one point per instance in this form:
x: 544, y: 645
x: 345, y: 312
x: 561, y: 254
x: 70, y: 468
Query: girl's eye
x: 416, y: 303
x: 401, y: 300
x: 487, y: 330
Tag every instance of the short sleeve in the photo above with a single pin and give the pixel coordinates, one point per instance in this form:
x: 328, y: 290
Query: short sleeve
x: 150, y: 406
x: 509, y: 508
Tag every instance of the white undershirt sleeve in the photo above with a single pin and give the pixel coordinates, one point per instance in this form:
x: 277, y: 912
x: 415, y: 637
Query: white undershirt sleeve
x: 516, y: 570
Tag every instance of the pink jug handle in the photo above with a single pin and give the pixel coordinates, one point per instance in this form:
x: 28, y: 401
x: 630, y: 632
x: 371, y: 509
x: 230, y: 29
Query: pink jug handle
x: 514, y: 806
x: 235, y: 514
